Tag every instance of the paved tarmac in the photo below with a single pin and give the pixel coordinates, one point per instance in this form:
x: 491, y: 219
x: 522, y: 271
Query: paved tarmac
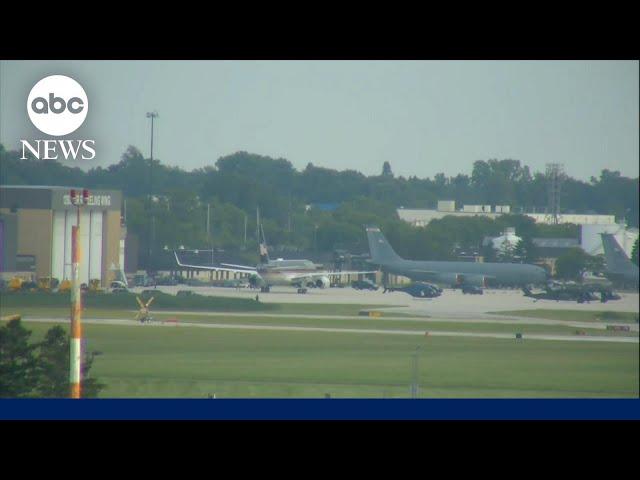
x: 477, y: 318
x: 169, y: 324
x: 451, y: 304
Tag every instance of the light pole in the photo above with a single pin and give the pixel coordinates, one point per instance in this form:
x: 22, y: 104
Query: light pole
x: 209, y: 237
x: 78, y: 199
x: 414, y: 384
x: 152, y: 116
x: 245, y: 230
x: 315, y: 241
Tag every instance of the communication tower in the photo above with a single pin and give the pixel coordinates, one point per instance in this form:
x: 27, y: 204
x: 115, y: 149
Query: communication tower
x: 555, y: 177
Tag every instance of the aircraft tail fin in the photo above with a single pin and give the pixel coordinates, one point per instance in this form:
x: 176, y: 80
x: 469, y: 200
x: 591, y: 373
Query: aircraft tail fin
x: 380, y: 249
x: 263, y: 251
x: 616, y: 258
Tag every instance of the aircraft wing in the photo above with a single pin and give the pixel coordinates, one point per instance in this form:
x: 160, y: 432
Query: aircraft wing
x: 316, y: 275
x: 243, y: 267
x: 216, y: 268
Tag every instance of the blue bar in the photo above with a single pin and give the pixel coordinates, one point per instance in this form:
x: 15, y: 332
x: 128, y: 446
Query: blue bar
x: 320, y: 409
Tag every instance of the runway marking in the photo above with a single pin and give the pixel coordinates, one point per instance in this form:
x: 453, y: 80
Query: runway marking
x: 466, y: 318
x: 439, y: 333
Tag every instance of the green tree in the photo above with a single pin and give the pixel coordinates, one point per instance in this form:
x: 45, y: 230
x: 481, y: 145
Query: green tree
x: 571, y: 265
x: 595, y: 263
x: 634, y: 253
x: 238, y: 183
x: 386, y: 169
x: 53, y: 368
x: 489, y: 253
x: 525, y: 250
x: 17, y: 361
x: 507, y: 252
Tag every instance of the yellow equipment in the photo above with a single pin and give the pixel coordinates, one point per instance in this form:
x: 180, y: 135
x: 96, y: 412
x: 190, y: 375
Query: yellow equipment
x: 44, y: 284
x: 15, y: 284
x: 143, y: 314
x: 65, y: 286
x: 94, y: 286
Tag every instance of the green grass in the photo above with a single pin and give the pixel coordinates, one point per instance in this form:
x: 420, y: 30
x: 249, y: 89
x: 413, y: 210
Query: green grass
x: 162, y: 301
x: 146, y: 361
x: 22, y: 301
x: 382, y: 324
x: 419, y: 325
x: 575, y: 315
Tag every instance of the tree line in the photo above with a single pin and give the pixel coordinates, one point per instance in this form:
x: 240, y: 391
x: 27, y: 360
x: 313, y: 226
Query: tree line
x: 167, y: 206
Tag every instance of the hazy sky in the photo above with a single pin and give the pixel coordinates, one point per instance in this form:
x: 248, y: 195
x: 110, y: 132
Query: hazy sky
x: 424, y: 117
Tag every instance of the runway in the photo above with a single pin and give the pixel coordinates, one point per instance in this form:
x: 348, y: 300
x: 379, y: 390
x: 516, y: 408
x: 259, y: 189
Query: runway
x: 477, y: 318
x: 451, y: 304
x: 439, y: 333
x: 452, y: 307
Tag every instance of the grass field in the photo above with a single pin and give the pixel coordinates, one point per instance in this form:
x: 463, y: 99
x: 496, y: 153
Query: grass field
x: 148, y: 361
x: 575, y: 315
x: 24, y: 301
x: 382, y: 323
x: 162, y: 301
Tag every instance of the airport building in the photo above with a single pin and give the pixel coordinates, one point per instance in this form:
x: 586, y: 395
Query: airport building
x: 422, y: 217
x: 35, y: 233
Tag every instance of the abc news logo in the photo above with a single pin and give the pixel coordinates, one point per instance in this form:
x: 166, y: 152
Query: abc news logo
x: 57, y: 105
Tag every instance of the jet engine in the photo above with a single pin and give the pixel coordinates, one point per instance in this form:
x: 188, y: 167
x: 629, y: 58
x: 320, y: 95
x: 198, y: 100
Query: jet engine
x: 322, y: 282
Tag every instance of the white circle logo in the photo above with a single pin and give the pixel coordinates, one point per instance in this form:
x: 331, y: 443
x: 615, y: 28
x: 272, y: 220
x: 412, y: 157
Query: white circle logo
x: 57, y: 105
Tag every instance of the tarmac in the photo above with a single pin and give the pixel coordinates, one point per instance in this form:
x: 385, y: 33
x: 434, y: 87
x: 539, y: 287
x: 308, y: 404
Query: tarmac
x: 439, y: 333
x: 451, y: 307
x: 451, y: 304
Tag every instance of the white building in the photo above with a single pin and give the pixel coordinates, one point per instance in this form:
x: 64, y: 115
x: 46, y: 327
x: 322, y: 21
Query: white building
x: 577, y: 219
x: 508, y: 240
x: 422, y: 217
x: 45, y: 217
x: 591, y: 242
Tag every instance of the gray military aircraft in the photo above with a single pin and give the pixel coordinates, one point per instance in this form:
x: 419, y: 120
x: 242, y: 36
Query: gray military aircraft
x: 451, y: 273
x: 573, y: 292
x: 619, y: 268
x: 417, y: 290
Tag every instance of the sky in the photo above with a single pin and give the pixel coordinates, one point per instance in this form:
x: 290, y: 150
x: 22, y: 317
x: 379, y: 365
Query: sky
x: 423, y: 117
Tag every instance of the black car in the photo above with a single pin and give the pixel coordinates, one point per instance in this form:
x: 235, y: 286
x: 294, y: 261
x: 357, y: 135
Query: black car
x: 364, y: 285
x: 472, y: 290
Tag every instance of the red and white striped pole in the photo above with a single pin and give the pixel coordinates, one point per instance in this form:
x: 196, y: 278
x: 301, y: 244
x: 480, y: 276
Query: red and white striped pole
x: 75, y: 366
x: 76, y: 310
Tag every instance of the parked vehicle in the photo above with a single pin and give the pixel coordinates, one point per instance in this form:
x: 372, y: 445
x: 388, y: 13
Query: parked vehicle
x: 117, y: 286
x: 365, y: 284
x: 472, y: 290
x: 143, y: 280
x: 170, y: 281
